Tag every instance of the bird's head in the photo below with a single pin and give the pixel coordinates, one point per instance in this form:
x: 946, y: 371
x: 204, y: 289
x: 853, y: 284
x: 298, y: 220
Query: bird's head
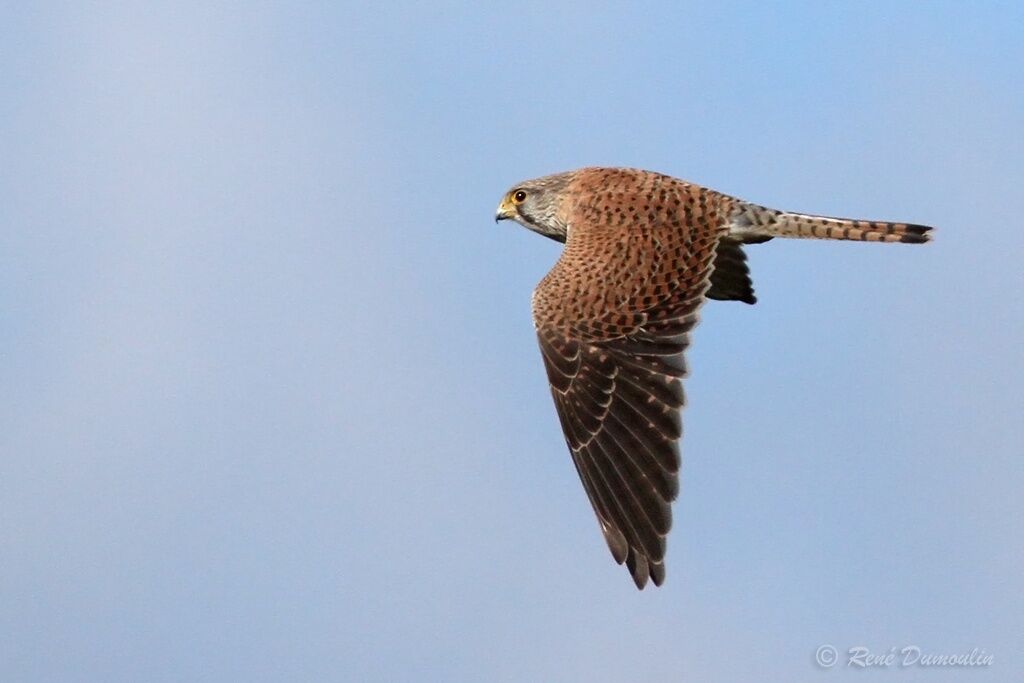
x: 538, y: 205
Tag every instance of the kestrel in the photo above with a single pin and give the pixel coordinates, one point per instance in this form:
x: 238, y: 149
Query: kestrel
x: 613, y: 317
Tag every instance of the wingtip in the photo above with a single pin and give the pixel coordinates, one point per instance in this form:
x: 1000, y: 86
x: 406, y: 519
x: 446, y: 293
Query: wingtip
x: 642, y: 568
x: 638, y: 569
x: 616, y: 542
x: 657, y: 573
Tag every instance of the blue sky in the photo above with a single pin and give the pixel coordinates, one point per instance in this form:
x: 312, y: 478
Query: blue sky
x: 273, y: 405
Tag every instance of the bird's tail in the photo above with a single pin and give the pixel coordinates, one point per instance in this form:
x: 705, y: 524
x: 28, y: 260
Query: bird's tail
x: 753, y: 223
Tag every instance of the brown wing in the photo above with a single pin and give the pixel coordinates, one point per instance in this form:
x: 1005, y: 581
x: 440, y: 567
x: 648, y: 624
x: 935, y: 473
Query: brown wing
x: 618, y: 402
x: 613, y: 319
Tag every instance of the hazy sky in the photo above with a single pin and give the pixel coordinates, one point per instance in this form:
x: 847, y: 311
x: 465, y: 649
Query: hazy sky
x: 272, y: 403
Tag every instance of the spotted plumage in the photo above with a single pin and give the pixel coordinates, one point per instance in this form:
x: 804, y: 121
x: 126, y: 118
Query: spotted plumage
x: 613, y: 318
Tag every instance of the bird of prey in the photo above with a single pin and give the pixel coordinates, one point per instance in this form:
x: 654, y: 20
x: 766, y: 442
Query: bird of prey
x: 613, y: 317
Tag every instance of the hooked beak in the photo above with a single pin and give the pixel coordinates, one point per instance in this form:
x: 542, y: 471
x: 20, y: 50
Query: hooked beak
x: 505, y: 211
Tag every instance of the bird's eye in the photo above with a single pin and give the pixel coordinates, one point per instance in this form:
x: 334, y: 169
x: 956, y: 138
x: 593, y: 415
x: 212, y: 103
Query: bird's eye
x: 519, y: 197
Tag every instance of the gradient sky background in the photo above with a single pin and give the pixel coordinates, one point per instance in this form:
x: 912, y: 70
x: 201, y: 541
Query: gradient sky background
x: 273, y: 408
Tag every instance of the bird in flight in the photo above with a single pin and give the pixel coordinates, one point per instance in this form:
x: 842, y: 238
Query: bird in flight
x: 613, y: 317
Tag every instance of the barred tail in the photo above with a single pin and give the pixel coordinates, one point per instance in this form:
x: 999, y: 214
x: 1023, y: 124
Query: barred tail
x: 752, y: 223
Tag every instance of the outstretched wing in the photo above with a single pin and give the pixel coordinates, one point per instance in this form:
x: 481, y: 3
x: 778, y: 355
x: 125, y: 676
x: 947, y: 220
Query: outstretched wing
x: 618, y: 402
x: 613, y: 319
